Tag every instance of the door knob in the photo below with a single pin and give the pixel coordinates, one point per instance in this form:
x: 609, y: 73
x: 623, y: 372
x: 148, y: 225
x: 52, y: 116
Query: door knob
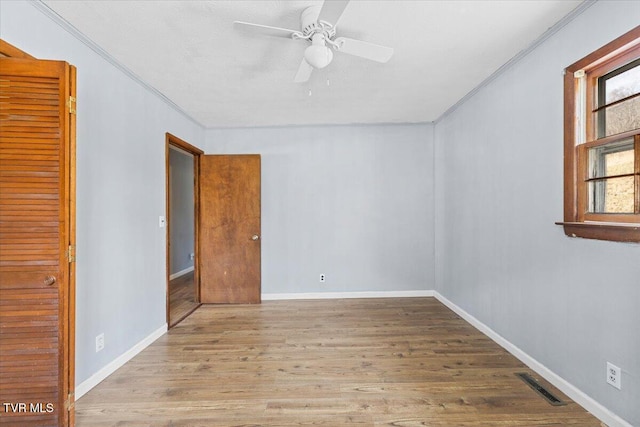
x: 49, y: 280
x: 255, y: 237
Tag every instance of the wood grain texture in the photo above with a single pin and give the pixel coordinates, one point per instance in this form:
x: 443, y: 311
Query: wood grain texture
x: 10, y: 51
x: 370, y: 362
x: 36, y: 195
x: 229, y: 217
x: 68, y: 380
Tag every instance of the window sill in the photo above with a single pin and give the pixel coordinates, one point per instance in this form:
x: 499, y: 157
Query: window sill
x: 614, y: 232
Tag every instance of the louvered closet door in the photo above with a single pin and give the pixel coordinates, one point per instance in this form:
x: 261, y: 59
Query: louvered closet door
x: 34, y: 237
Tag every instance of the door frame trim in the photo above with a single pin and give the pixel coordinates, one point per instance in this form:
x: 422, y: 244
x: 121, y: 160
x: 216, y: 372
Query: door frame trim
x: 172, y: 140
x: 70, y: 309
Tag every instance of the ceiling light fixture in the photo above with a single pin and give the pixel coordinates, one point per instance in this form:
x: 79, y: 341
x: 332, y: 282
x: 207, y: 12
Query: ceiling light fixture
x: 318, y: 55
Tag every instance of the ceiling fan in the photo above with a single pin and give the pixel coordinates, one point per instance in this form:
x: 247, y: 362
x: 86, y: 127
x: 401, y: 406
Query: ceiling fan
x: 318, y: 27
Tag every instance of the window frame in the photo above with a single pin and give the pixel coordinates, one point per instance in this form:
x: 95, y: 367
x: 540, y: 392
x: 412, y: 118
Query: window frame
x: 580, y: 134
x: 602, y: 78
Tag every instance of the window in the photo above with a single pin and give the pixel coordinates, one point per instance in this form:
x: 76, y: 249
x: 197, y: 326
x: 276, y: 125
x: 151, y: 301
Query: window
x: 602, y: 143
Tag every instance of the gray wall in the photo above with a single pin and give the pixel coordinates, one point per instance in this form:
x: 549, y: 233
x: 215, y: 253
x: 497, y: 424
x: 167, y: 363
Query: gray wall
x: 181, y: 213
x: 352, y: 202
x: 572, y: 304
x: 121, y: 127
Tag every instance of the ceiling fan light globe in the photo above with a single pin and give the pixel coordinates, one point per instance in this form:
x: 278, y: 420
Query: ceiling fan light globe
x: 318, y: 56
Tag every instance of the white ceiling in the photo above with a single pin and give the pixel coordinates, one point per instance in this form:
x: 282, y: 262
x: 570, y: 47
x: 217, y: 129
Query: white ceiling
x: 223, y: 77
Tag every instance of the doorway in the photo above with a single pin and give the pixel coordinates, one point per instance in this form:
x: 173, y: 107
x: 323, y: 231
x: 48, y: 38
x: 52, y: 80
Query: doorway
x: 183, y: 290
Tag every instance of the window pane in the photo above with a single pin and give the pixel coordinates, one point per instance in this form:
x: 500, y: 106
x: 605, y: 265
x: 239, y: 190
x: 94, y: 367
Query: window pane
x: 619, y: 118
x: 623, y: 85
x: 612, y: 159
x: 613, y: 195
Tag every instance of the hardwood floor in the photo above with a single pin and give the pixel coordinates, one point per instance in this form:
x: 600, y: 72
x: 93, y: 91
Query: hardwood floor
x: 181, y: 298
x: 402, y: 362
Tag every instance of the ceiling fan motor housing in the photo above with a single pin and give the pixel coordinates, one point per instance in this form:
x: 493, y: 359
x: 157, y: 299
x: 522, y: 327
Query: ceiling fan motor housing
x: 310, y: 25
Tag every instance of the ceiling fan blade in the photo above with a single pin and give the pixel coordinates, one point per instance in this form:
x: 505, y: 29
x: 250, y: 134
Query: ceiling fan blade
x: 304, y: 72
x: 362, y: 49
x: 265, y: 29
x: 332, y: 11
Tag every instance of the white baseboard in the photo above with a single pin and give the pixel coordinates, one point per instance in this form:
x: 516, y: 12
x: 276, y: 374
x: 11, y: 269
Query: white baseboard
x: 578, y: 396
x: 346, y: 295
x: 181, y: 273
x: 95, y: 379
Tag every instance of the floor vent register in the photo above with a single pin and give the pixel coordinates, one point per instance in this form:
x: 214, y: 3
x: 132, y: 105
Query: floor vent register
x: 538, y: 388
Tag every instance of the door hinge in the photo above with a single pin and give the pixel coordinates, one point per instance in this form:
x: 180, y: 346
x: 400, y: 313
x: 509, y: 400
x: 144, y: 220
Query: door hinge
x: 71, y: 253
x: 71, y: 103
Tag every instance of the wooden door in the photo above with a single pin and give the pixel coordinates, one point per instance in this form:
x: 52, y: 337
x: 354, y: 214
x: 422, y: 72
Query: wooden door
x: 230, y: 229
x: 36, y: 237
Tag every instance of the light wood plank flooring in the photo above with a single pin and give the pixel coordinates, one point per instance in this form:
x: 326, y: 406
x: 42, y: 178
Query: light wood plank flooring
x: 402, y: 362
x: 182, y: 298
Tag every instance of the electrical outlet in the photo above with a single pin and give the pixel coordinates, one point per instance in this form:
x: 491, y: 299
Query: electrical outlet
x: 99, y: 342
x: 614, y: 375
x: 192, y: 256
x: 322, y: 278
